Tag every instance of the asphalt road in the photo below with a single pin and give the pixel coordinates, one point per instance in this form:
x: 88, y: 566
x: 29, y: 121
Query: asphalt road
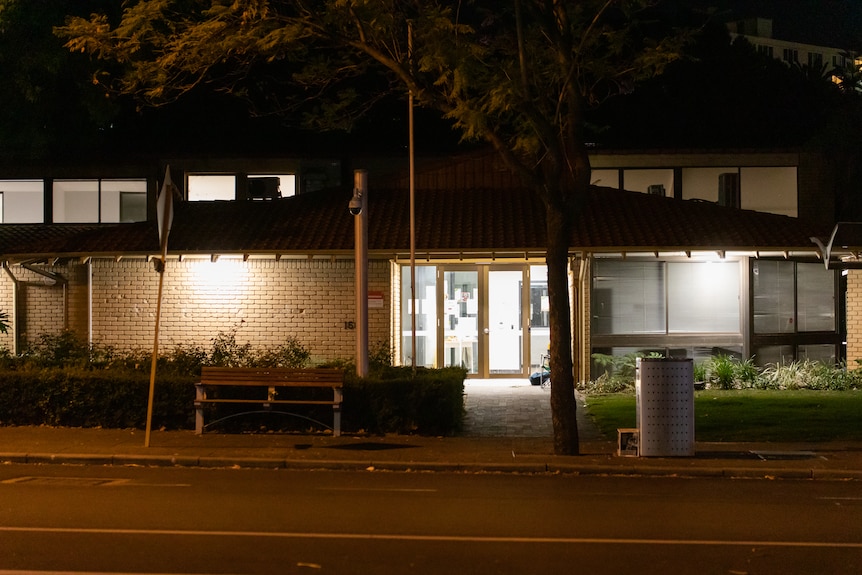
x: 180, y: 520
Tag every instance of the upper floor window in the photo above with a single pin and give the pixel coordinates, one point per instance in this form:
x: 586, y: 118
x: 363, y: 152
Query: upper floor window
x: 109, y: 201
x: 815, y: 59
x: 22, y: 201
x: 209, y: 187
x: 765, y: 50
x: 204, y: 187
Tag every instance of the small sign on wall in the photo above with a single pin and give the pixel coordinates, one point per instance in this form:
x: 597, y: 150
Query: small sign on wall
x: 375, y: 299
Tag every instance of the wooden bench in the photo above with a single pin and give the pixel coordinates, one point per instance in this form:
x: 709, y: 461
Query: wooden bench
x: 272, y: 379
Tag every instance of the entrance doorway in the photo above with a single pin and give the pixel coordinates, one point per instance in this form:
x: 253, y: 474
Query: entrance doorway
x: 490, y: 319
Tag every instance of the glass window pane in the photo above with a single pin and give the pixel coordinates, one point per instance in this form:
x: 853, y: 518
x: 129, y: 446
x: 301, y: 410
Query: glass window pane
x: 206, y: 188
x: 426, y: 316
x: 460, y: 319
x: 703, y: 297
x: 815, y: 295
x: 772, y: 289
x: 271, y: 186
x: 770, y: 190
x: 628, y: 297
x: 540, y: 332
x: 823, y: 353
x: 133, y: 206
x: 23, y: 201
x: 773, y: 355
x: 123, y: 200
x: 76, y: 201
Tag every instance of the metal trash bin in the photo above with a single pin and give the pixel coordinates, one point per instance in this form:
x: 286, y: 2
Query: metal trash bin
x: 665, y: 407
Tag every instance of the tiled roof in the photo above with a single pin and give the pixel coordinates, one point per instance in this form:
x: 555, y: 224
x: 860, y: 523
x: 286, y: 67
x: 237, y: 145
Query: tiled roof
x: 446, y: 221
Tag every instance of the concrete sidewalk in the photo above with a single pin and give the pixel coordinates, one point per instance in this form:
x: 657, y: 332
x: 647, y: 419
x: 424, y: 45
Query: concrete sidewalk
x: 42, y: 445
x: 507, y: 429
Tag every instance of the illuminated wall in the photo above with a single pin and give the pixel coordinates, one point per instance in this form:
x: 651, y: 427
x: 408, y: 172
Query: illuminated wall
x: 266, y: 300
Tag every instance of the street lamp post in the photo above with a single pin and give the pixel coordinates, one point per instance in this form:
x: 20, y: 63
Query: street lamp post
x: 357, y: 207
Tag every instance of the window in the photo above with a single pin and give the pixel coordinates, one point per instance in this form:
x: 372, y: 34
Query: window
x: 772, y: 288
x: 76, y: 201
x: 773, y: 190
x: 765, y: 50
x: 792, y: 297
x: 790, y: 55
x: 111, y: 201
x: 208, y: 187
x: 642, y: 180
x: 123, y: 200
x: 815, y: 59
x: 271, y: 186
x: 22, y: 201
x: 426, y: 316
x: 133, y: 207
x: 665, y: 297
x: 628, y: 297
x: 815, y: 298
x: 703, y: 297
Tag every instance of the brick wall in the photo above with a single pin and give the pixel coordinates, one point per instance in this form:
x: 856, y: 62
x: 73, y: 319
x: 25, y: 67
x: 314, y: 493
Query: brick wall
x: 854, y: 318
x: 51, y: 307
x: 7, y: 300
x: 266, y: 300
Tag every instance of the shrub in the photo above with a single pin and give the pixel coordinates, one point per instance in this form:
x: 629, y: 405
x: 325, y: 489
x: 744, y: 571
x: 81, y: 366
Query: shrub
x: 289, y: 354
x: 86, y: 398
x: 619, y: 375
x: 226, y: 352
x: 809, y: 374
x: 429, y: 402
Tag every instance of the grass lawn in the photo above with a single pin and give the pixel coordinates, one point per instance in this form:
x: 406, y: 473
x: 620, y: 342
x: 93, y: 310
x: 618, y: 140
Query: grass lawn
x: 750, y: 415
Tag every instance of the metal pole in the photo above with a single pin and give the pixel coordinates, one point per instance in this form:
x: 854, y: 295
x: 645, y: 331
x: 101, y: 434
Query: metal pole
x: 360, y: 191
x: 412, y: 210
x: 149, y: 425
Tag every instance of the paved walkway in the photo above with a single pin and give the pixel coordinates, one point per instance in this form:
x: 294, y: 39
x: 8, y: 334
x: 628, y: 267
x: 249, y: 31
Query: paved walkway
x: 514, y: 408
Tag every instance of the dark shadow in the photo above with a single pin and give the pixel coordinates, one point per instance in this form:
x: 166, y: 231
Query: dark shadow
x: 369, y: 446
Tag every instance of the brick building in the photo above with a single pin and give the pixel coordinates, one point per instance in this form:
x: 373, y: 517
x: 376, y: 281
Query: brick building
x: 661, y: 266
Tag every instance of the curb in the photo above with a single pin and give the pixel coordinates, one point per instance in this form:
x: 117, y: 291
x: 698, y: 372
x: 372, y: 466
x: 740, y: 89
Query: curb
x: 430, y: 466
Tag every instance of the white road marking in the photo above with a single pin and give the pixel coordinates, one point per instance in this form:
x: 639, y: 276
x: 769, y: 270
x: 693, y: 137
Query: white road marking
x: 445, y: 538
x: 67, y: 481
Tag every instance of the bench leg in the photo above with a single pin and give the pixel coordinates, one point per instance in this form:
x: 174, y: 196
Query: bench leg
x: 336, y: 422
x: 199, y: 410
x: 336, y: 413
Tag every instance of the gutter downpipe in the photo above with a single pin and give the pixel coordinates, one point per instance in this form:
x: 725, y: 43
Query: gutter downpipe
x: 582, y: 294
x: 15, y: 337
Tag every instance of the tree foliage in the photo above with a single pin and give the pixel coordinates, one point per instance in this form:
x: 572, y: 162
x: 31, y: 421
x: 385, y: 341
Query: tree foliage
x: 48, y: 99
x: 519, y: 75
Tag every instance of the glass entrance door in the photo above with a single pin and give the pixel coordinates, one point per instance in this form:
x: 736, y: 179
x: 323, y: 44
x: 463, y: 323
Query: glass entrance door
x: 461, y: 319
x: 505, y: 322
x: 473, y: 316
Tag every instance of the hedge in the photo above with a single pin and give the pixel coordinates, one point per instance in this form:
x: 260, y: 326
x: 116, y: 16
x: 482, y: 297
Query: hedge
x: 391, y: 401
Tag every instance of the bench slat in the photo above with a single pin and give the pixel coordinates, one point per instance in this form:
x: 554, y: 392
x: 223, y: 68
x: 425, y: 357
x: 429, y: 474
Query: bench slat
x: 268, y: 401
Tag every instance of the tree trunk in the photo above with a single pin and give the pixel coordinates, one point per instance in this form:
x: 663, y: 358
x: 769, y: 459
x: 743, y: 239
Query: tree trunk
x: 563, y: 403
